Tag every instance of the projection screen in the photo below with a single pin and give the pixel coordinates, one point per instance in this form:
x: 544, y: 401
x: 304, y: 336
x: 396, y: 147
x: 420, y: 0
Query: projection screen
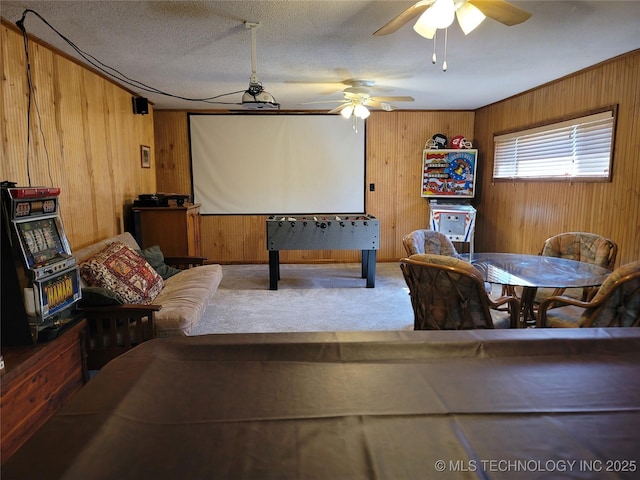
x: 276, y: 164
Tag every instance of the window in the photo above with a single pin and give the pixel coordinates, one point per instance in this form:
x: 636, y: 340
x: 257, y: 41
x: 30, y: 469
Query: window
x: 576, y: 150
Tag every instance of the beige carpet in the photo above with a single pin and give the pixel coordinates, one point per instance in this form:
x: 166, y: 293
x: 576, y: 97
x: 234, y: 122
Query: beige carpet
x: 318, y: 297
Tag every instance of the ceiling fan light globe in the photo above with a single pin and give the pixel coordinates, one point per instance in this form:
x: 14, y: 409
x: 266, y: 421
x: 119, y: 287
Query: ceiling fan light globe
x: 361, y: 111
x: 469, y: 17
x: 347, y: 111
x: 438, y: 15
x: 424, y: 30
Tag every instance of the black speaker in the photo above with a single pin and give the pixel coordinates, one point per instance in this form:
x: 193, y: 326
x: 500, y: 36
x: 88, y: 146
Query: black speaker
x: 140, y: 105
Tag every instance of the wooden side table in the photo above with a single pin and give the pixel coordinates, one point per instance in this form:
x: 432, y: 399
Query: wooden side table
x: 176, y: 229
x: 36, y: 381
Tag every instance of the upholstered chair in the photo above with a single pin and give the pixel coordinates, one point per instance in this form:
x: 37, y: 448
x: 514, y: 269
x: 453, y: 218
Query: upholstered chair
x: 582, y: 247
x: 428, y: 241
x: 615, y: 304
x: 448, y: 293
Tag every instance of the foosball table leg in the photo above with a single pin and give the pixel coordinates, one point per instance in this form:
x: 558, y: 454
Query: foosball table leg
x: 274, y: 269
x: 369, y: 267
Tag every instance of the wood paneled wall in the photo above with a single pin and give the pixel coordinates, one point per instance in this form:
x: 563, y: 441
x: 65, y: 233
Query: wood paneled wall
x: 87, y: 141
x: 394, y: 145
x: 85, y: 138
x: 519, y: 216
x: 512, y: 217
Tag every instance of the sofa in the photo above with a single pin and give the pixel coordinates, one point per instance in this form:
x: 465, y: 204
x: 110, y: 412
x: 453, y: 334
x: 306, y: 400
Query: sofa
x: 175, y: 302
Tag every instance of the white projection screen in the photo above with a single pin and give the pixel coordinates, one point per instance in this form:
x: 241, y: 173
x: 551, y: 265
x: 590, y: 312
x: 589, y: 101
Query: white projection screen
x: 276, y: 164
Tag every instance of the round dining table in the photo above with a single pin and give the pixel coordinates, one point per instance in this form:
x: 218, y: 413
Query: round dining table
x: 535, y: 271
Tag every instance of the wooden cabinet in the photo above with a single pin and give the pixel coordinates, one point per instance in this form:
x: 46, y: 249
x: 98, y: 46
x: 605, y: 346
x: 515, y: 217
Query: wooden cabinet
x: 36, y: 381
x: 175, y: 229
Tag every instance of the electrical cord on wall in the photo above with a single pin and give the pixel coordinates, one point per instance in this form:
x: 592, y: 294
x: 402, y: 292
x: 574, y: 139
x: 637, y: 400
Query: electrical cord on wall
x: 98, y: 65
x: 121, y: 77
x: 30, y: 97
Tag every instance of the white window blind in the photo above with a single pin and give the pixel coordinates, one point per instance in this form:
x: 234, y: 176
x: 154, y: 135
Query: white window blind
x: 578, y: 149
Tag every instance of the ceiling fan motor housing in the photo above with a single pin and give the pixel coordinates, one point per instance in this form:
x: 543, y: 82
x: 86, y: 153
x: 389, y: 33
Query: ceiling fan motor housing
x: 358, y: 91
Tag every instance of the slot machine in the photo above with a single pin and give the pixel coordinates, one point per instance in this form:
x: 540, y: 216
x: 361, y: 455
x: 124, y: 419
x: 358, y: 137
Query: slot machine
x: 40, y: 278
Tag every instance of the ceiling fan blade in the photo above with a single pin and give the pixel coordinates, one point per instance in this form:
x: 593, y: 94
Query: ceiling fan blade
x: 501, y: 11
x: 392, y: 99
x: 339, y: 108
x: 322, y: 101
x: 387, y: 107
x: 404, y: 17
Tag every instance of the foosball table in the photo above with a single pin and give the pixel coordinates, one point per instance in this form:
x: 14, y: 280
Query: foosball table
x: 323, y: 232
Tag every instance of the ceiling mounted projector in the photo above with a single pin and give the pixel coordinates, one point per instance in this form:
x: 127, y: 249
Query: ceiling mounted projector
x: 255, y: 98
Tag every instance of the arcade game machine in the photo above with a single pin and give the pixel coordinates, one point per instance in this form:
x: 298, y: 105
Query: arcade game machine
x: 448, y: 180
x: 40, y: 279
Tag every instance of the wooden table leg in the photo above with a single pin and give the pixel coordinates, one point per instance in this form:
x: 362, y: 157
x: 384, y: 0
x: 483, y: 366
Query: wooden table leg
x: 527, y: 313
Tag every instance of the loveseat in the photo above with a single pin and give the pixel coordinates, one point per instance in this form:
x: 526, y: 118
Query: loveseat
x: 177, y: 298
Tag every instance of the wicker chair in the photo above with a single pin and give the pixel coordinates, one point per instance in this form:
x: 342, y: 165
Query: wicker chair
x: 448, y: 293
x: 583, y: 247
x: 428, y: 241
x: 616, y: 304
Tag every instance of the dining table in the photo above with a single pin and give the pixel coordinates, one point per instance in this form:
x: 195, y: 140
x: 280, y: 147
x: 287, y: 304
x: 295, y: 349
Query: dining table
x: 531, y: 272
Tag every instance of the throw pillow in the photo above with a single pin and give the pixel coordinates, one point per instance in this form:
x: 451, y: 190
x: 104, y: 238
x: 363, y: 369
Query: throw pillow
x: 120, y: 269
x: 155, y: 257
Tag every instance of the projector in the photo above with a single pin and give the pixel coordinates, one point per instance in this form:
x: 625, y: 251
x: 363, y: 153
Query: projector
x: 259, y: 101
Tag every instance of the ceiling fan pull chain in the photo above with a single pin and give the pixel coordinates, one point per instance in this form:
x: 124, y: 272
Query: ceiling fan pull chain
x: 444, y: 64
x: 433, y: 58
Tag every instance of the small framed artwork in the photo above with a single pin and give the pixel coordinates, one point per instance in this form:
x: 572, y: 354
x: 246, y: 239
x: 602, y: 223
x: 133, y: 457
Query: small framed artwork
x: 145, y: 156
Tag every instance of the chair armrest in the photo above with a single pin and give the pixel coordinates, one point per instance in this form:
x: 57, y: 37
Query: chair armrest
x: 114, y: 329
x: 109, y: 316
x: 558, y: 301
x: 184, y: 261
x: 496, y: 302
x: 121, y: 310
x: 513, y: 307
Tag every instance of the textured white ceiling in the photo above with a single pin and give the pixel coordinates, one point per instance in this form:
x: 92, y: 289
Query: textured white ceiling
x: 305, y: 49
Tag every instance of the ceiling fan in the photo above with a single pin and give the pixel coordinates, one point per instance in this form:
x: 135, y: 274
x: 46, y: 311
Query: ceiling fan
x: 439, y: 14
x: 436, y: 14
x: 357, y: 97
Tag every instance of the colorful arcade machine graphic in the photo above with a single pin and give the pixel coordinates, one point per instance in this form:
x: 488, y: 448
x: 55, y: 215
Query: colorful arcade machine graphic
x: 449, y: 173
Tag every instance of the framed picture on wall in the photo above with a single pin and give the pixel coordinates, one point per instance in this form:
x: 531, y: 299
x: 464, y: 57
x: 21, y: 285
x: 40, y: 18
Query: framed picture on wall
x: 145, y: 156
